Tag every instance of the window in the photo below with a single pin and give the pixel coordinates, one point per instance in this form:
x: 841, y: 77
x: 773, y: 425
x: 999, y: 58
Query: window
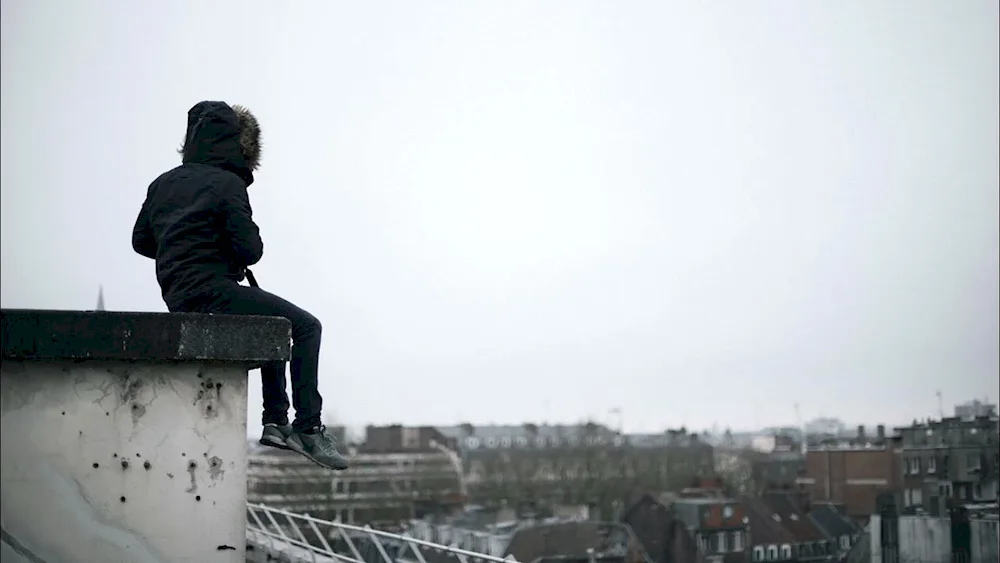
x: 907, y: 497
x: 719, y: 542
x: 918, y: 497
x: 738, y: 541
x: 772, y: 553
x: 786, y: 552
x: 908, y: 466
x: 845, y: 542
x: 758, y: 553
x: 916, y: 466
x: 945, y: 489
x: 931, y: 465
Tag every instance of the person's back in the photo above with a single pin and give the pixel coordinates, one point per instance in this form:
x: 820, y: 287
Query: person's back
x: 197, y: 224
x: 196, y: 221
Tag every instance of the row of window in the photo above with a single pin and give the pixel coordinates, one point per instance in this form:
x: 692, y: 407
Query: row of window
x: 786, y: 552
x: 951, y: 436
x: 968, y: 491
x: 916, y: 465
x: 474, y: 442
x: 722, y: 542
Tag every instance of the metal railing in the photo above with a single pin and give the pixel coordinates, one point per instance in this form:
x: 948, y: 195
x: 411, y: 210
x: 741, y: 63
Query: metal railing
x: 300, y: 537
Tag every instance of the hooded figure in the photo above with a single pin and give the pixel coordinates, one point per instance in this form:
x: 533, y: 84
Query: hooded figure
x: 196, y: 222
x: 179, y: 224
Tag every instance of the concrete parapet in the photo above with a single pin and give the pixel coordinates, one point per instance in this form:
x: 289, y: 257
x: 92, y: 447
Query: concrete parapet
x: 123, y: 435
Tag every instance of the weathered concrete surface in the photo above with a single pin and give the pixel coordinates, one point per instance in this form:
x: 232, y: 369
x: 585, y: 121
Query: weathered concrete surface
x: 36, y: 334
x: 128, y: 459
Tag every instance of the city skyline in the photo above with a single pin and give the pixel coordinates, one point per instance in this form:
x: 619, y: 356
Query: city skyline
x: 524, y: 211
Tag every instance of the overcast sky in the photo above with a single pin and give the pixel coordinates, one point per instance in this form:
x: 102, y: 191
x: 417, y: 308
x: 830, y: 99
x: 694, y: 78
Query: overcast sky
x: 540, y: 211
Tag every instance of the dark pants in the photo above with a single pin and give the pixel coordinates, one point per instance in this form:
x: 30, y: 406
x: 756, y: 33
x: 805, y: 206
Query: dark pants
x: 306, y: 334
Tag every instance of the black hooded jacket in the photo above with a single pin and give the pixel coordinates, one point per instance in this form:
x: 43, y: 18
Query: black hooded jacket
x: 196, y: 221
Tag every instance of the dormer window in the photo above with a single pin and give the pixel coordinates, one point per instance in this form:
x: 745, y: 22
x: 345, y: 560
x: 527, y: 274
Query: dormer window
x: 758, y: 554
x: 786, y: 552
x: 772, y: 553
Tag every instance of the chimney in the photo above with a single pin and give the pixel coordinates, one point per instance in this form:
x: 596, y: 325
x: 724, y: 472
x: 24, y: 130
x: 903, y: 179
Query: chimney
x: 861, y: 432
x: 881, y: 432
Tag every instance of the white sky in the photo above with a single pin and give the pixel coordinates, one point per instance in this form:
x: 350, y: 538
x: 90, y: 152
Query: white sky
x: 540, y: 211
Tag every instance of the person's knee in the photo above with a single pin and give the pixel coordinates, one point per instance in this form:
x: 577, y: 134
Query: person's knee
x: 316, y: 326
x: 307, y: 325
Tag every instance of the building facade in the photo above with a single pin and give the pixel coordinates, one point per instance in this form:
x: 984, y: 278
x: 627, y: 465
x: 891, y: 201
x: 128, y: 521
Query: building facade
x: 954, y: 458
x: 539, y: 468
x: 852, y: 473
x: 400, y: 475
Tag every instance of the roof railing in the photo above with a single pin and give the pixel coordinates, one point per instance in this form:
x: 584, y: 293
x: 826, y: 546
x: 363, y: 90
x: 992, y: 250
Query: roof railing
x: 310, y: 538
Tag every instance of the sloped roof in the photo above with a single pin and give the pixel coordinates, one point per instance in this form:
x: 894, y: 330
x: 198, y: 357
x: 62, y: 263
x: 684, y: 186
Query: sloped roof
x: 831, y: 520
x: 797, y: 522
x: 571, y: 539
x: 765, y: 528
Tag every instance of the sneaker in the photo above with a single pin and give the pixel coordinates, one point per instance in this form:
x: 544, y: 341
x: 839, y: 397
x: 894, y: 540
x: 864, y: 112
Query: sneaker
x: 276, y: 435
x: 319, y: 447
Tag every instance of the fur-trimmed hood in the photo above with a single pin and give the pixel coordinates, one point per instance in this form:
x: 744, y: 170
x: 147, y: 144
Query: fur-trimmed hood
x: 225, y: 136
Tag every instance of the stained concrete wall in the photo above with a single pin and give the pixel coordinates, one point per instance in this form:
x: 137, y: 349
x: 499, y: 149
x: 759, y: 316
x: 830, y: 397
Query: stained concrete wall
x: 125, y: 440
x: 928, y: 539
x: 985, y: 540
x: 924, y: 538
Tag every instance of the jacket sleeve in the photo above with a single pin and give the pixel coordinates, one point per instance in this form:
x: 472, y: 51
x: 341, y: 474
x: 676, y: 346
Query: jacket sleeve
x: 238, y: 220
x: 143, y: 240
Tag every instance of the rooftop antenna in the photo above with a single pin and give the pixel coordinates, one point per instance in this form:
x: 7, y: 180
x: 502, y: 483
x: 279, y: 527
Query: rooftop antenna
x: 940, y: 404
x: 100, y: 298
x: 802, y: 429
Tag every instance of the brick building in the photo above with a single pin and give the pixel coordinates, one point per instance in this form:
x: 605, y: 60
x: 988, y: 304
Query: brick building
x: 853, y: 473
x: 717, y: 524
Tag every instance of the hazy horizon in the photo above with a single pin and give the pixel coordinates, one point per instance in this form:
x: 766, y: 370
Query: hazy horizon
x: 520, y: 211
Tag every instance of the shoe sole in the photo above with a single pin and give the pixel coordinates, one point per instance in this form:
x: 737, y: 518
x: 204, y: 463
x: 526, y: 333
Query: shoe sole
x: 303, y: 453
x: 274, y: 443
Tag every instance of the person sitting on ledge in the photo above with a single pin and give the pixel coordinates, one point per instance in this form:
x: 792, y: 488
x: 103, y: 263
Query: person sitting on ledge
x: 197, y: 224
